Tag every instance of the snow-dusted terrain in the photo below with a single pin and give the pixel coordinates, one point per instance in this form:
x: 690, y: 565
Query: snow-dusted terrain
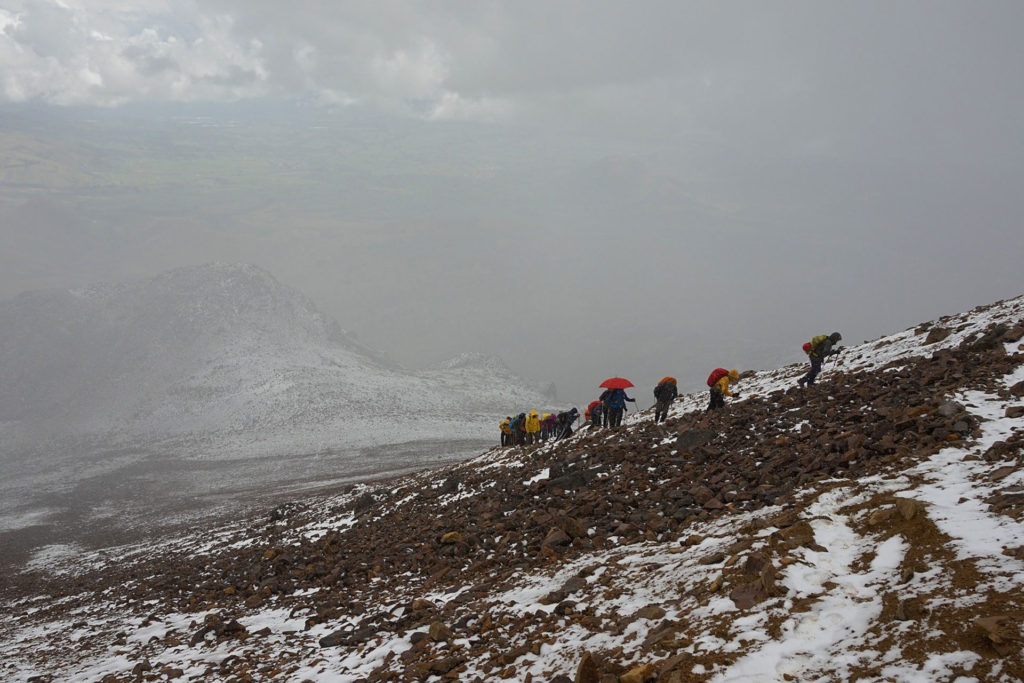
x: 223, y: 359
x: 913, y: 571
x: 211, y: 380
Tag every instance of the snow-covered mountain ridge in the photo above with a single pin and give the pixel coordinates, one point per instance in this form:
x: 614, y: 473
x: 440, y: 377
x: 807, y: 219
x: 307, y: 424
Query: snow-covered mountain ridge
x: 223, y: 358
x: 869, y: 529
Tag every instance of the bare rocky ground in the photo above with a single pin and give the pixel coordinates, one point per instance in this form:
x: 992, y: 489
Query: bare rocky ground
x: 671, y: 552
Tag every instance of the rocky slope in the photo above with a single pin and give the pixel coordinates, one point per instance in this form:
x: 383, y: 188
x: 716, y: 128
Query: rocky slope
x: 870, y: 528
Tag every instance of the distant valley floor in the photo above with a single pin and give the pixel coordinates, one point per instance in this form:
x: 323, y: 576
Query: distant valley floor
x: 130, y: 497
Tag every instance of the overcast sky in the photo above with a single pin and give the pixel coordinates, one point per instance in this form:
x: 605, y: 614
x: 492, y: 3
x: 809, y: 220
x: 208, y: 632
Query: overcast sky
x: 584, y: 188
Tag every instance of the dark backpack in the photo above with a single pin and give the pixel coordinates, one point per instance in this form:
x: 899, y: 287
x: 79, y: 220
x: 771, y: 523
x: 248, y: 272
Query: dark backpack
x: 716, y: 374
x: 663, y: 391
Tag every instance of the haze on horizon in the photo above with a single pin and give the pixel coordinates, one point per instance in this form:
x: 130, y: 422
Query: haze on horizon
x: 584, y: 189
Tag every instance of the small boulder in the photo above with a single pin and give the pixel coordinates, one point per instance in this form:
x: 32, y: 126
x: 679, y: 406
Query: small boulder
x: 439, y: 632
x: 639, y: 674
x: 650, y: 612
x: 907, y: 508
x: 556, y: 538
x: 937, y: 334
x: 1001, y: 631
x: 587, y: 671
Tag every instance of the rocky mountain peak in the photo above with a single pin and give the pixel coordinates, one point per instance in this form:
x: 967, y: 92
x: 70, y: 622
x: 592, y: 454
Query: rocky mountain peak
x: 204, y: 353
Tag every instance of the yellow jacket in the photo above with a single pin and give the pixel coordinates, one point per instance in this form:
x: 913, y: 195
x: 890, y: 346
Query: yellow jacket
x: 723, y: 384
x: 532, y: 423
x: 505, y: 428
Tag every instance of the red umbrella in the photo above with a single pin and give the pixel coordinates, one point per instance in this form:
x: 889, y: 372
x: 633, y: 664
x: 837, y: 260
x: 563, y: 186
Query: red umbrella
x: 616, y: 383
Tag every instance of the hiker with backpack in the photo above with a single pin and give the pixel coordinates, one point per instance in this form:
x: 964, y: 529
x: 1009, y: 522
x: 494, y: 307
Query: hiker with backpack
x: 548, y: 426
x: 616, y: 406
x: 817, y: 350
x: 664, y: 393
x: 506, y: 432
x: 532, y: 428
x: 565, y: 422
x: 718, y: 383
x: 605, y: 410
x: 518, y: 429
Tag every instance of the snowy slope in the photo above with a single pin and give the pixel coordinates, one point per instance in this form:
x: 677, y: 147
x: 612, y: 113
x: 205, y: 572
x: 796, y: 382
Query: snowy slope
x: 224, y: 359
x: 914, y: 572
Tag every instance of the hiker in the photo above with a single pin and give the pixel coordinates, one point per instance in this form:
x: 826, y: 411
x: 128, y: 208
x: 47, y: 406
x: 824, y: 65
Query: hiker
x: 616, y: 405
x: 519, y: 429
x: 664, y: 393
x: 506, y: 432
x: 605, y: 411
x: 718, y: 381
x: 548, y: 426
x: 594, y: 412
x: 565, y: 421
x: 532, y: 428
x: 817, y: 350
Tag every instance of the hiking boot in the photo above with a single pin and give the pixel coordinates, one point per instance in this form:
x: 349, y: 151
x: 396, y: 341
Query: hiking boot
x: 802, y: 381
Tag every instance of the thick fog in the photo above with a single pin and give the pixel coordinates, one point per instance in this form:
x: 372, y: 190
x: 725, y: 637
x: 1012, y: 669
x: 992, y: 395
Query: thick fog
x: 585, y: 189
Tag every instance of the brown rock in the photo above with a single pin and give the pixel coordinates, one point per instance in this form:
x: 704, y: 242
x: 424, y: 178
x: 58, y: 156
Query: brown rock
x: 672, y: 663
x: 419, y: 604
x: 141, y: 668
x: 649, y: 612
x: 574, y: 527
x: 660, y: 636
x: 556, y: 538
x: 748, y: 594
x: 439, y: 632
x: 907, y: 508
x: 442, y: 666
x: 1013, y: 334
x: 573, y: 584
x: 936, y: 335
x: 702, y: 494
x: 451, y: 537
x: 639, y: 674
x: 1015, y: 411
x: 1001, y: 631
x: 1002, y: 473
x: 587, y: 671
x: 911, y: 609
x: 565, y: 608
x: 881, y: 516
x: 800, y: 534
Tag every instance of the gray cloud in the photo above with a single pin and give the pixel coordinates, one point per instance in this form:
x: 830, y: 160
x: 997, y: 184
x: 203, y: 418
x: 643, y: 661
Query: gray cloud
x: 583, y: 187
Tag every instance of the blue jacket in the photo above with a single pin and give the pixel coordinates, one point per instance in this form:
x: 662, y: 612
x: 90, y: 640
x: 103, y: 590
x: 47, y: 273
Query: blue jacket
x: 618, y: 399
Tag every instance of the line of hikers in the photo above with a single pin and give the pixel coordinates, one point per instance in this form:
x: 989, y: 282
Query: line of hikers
x: 530, y: 428
x: 608, y: 409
